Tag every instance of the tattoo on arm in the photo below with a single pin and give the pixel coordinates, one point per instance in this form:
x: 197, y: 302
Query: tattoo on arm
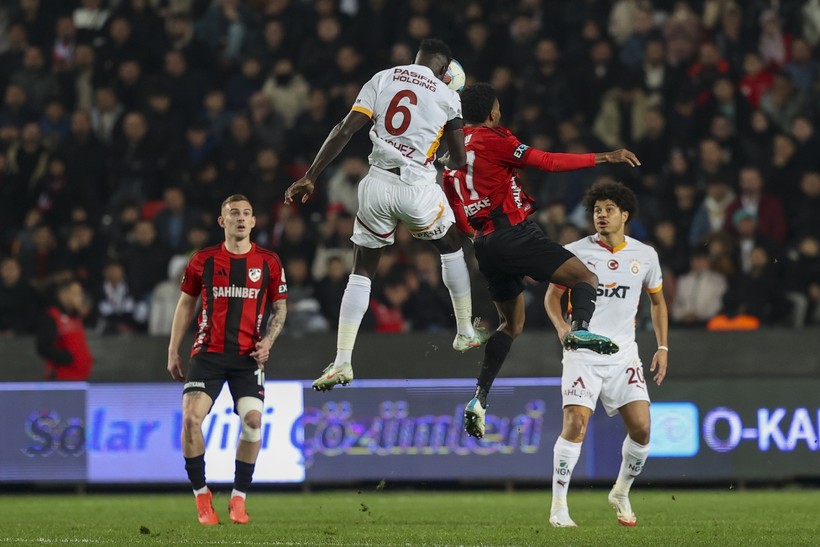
x: 277, y: 320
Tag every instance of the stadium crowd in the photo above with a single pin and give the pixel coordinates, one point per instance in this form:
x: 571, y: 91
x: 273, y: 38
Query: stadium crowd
x: 124, y: 123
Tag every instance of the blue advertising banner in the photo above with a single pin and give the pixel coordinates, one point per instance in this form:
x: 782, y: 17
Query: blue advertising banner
x: 43, y: 432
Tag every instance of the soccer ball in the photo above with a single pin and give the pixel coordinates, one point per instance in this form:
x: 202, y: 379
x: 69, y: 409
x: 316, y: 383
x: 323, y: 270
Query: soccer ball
x: 455, y: 77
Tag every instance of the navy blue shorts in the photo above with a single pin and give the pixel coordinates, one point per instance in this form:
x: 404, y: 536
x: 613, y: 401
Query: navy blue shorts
x: 506, y: 256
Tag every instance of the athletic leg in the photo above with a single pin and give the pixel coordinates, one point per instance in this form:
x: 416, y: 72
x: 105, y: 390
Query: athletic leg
x: 511, y: 323
x: 565, y: 455
x: 634, y: 452
x: 195, y: 407
x: 355, y: 302
x: 583, y: 285
x: 456, y: 278
x: 250, y: 412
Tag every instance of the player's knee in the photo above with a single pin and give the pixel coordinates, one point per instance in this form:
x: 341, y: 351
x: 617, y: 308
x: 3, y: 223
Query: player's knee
x: 575, y: 426
x: 250, y: 411
x: 191, y: 421
x: 640, y: 433
x: 514, y: 329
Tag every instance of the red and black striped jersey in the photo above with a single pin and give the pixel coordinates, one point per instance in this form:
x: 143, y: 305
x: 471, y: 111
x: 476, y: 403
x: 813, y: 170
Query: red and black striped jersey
x: 484, y: 194
x: 236, y: 290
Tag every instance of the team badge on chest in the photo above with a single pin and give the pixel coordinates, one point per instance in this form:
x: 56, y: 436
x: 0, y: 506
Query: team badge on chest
x: 255, y: 274
x: 635, y: 266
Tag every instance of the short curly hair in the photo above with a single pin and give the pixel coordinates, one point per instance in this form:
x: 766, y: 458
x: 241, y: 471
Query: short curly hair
x: 617, y: 192
x: 477, y: 102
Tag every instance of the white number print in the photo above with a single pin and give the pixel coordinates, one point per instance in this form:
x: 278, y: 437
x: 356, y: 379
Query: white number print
x: 260, y: 377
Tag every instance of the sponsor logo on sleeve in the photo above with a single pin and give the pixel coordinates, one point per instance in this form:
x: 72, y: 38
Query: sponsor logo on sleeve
x: 520, y: 150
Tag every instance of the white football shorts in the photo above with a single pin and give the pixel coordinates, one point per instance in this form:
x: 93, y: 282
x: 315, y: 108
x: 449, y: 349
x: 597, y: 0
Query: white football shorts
x: 615, y: 385
x: 384, y: 200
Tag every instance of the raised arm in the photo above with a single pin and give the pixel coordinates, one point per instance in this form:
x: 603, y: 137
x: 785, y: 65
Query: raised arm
x: 552, y: 304
x: 335, y: 142
x: 556, y: 162
x: 186, y: 306
x: 660, y: 323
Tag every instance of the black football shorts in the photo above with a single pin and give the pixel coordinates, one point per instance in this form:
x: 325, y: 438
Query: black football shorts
x: 506, y: 256
x: 208, y: 372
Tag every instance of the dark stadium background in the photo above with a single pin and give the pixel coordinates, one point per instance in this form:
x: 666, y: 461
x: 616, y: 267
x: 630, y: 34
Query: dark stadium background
x: 124, y: 124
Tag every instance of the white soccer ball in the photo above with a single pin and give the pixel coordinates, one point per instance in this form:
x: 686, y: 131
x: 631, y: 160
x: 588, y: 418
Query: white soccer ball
x: 455, y: 76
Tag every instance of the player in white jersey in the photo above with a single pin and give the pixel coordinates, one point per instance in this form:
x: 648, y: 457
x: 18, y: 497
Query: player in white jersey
x: 624, y: 267
x: 411, y: 109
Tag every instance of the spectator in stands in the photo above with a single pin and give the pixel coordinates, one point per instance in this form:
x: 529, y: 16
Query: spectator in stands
x: 311, y: 127
x: 428, y: 309
x: 304, y: 310
x: 35, y: 78
x: 106, y: 113
x: 757, y: 291
x: 145, y: 260
x: 18, y: 301
x: 28, y: 157
x: 710, y: 216
x: 11, y: 214
x: 38, y: 255
x: 331, y: 288
x: 805, y: 210
x: 673, y: 255
x: 116, y: 48
x: 342, y: 188
x: 174, y: 220
x: 802, y: 68
x: 130, y: 85
x: 135, y: 169
x: 15, y: 111
x: 11, y: 60
x: 782, y: 102
x: 757, y: 79
x: 802, y: 283
x: 266, y: 183
x: 287, y: 91
x: 65, y: 42
x: 773, y: 44
x: 699, y: 292
x: 185, y: 86
x: 238, y: 151
x: 90, y: 18
x: 51, y: 194
x: 224, y: 28
x: 61, y: 338
x: 621, y: 119
x: 244, y: 83
x: 268, y: 126
x: 806, y: 139
x: 760, y: 204
x: 78, y: 85
x: 83, y: 254
x: 54, y: 123
x: 164, y: 299
x: 204, y: 189
x: 180, y: 36
x: 215, y: 115
x: 386, y: 305
x: 296, y: 240
x: 119, y: 311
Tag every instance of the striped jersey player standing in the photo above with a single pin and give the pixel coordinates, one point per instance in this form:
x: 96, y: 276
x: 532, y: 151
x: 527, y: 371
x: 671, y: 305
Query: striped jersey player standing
x: 625, y: 267
x: 411, y: 109
x: 238, y: 282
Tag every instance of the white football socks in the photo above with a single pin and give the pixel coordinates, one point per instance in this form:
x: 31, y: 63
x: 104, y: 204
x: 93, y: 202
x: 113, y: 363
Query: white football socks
x: 565, y: 455
x: 236, y: 492
x: 456, y: 278
x: 355, y: 302
x: 634, y: 457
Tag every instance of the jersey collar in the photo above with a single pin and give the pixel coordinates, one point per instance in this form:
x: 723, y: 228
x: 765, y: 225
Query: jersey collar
x: 612, y: 250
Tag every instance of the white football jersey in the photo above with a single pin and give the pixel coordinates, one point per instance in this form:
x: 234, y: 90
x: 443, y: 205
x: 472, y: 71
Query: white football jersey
x: 623, y: 272
x: 409, y: 107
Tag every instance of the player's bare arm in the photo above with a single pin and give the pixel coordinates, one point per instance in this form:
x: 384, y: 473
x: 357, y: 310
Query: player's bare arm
x: 186, y: 307
x: 336, y: 141
x: 552, y: 304
x: 660, y: 322
x: 456, y: 156
x: 622, y: 155
x: 279, y: 313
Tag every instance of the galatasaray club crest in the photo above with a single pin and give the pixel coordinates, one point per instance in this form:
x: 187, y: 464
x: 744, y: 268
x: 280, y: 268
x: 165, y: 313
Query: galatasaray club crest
x: 635, y: 266
x: 255, y: 274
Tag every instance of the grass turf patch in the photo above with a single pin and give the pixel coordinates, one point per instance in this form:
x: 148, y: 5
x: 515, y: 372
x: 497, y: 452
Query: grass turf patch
x: 384, y: 518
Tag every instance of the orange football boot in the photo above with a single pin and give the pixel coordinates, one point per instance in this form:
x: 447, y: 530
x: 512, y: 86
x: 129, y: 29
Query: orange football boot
x: 236, y: 507
x: 205, y: 508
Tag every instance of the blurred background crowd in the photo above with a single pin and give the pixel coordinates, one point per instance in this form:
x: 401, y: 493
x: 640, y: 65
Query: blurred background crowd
x: 124, y: 123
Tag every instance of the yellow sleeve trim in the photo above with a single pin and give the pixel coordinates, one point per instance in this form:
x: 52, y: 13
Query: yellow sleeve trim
x: 363, y: 110
x: 656, y: 290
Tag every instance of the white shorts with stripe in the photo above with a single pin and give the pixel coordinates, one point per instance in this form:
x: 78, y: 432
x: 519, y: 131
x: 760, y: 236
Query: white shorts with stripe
x: 615, y: 385
x: 384, y: 201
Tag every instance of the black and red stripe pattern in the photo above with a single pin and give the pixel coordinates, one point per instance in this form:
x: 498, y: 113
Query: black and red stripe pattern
x: 236, y: 291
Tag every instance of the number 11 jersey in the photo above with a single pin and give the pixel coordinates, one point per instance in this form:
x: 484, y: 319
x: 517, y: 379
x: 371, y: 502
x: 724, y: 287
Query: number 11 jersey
x: 409, y: 107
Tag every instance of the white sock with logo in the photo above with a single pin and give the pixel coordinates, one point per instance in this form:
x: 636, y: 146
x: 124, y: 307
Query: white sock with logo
x: 456, y: 278
x: 355, y: 301
x: 565, y: 455
x: 634, y: 457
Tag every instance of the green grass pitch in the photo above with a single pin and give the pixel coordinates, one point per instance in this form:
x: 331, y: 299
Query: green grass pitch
x: 384, y: 518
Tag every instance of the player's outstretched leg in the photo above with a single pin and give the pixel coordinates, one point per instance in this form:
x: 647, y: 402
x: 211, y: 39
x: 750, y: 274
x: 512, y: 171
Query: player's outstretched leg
x: 354, y: 305
x: 474, y: 414
x: 582, y: 298
x: 565, y: 455
x: 495, y: 352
